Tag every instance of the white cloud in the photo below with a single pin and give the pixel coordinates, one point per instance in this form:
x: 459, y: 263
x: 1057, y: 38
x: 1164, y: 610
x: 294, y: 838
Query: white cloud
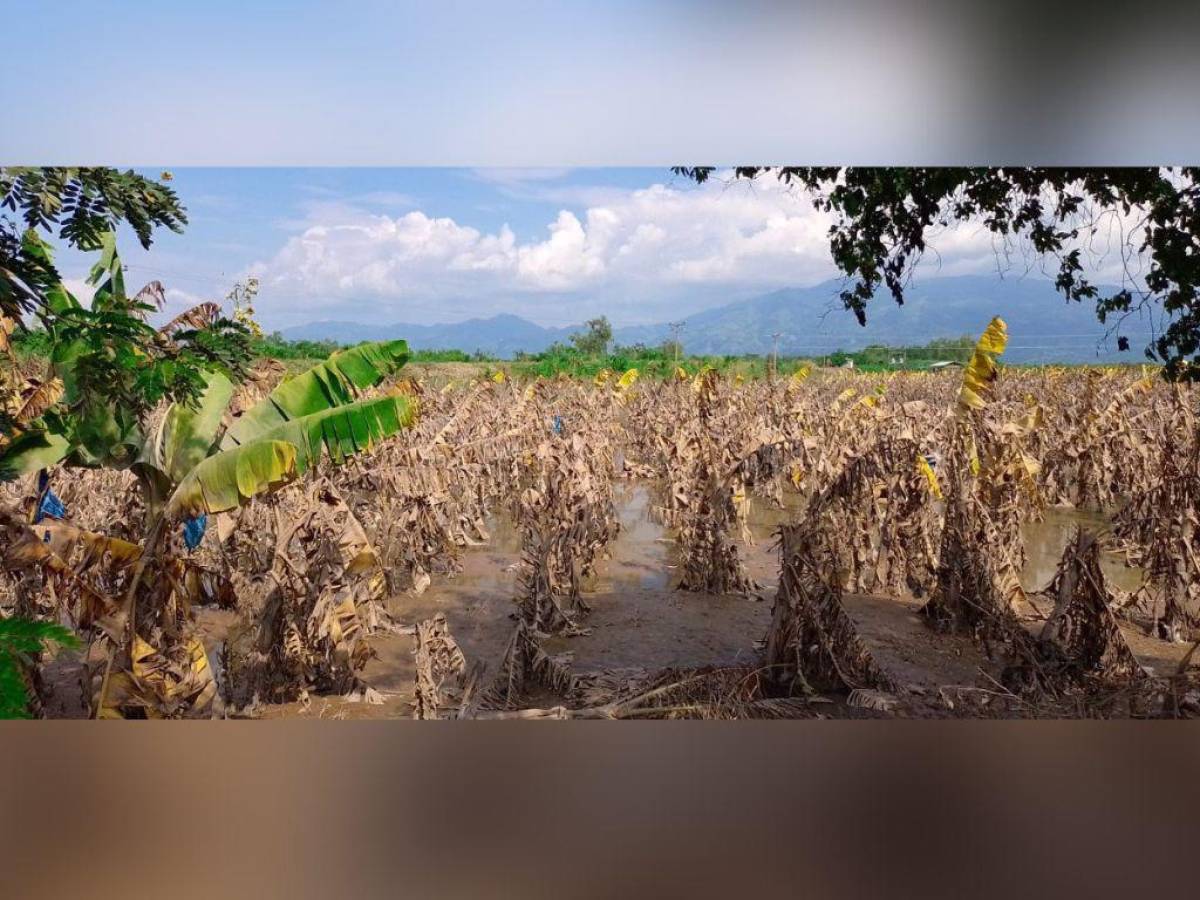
x: 510, y: 176
x: 638, y: 254
x: 658, y: 239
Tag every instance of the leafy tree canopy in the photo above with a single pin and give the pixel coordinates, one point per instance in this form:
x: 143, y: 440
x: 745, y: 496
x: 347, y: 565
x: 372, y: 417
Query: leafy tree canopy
x: 883, y: 217
x: 78, y: 204
x: 594, y: 340
x: 109, y: 367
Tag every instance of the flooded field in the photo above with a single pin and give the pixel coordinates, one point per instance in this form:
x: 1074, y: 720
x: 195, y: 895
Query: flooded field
x: 640, y: 621
x: 832, y: 544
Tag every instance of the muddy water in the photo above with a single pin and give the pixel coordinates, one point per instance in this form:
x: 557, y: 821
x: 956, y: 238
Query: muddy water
x: 1046, y: 540
x: 639, y: 620
x: 634, y: 585
x: 642, y: 556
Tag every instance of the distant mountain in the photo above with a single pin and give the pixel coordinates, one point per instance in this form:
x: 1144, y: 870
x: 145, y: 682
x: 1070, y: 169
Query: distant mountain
x: 1042, y: 326
x: 502, y: 335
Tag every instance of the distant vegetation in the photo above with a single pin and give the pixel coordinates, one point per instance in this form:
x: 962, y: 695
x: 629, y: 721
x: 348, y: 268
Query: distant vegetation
x: 585, y: 358
x: 35, y: 342
x: 882, y: 358
x: 275, y: 346
x: 661, y: 361
x: 651, y: 362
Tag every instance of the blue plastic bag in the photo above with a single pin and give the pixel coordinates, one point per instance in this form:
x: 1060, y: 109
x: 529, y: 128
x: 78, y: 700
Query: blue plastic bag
x: 49, y: 506
x: 193, y: 531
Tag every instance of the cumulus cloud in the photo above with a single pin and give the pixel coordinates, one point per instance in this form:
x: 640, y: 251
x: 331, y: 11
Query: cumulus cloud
x: 649, y: 242
x: 638, y: 254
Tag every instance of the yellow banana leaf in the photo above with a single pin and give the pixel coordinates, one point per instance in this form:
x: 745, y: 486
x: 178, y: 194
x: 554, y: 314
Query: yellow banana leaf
x: 627, y: 380
x: 801, y: 374
x: 982, y: 371
x: 930, y: 476
x: 225, y: 480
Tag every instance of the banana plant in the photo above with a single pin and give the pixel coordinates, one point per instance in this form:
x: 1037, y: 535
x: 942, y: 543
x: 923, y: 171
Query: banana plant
x: 187, y: 467
x: 193, y: 468
x: 190, y: 467
x: 109, y: 368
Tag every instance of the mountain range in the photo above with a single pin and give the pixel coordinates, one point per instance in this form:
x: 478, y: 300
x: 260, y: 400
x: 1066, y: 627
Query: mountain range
x: 1042, y: 326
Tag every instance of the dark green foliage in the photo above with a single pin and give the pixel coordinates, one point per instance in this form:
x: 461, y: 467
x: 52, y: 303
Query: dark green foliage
x: 883, y: 215
x: 21, y: 641
x: 275, y: 346
x: 81, y: 204
x: 32, y: 343
x: 594, y: 340
x: 114, y: 365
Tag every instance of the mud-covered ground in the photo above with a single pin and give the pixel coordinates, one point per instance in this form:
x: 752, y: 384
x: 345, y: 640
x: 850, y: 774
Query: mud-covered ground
x: 638, y: 620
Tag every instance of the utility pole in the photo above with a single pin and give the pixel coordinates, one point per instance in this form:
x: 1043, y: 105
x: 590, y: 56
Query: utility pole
x: 775, y: 335
x: 676, y: 329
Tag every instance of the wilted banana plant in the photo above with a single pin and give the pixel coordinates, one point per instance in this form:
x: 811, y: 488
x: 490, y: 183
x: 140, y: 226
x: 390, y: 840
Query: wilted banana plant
x: 813, y: 643
x: 1082, y: 637
x: 191, y: 467
x: 566, y: 517
x: 977, y: 580
x: 310, y: 631
x: 705, y: 497
x: 1162, y: 522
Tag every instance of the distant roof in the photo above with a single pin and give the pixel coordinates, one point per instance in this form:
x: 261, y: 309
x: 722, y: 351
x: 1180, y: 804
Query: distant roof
x: 945, y: 364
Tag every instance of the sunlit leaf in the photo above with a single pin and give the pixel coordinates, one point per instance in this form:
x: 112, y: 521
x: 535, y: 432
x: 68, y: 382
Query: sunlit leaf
x: 333, y: 383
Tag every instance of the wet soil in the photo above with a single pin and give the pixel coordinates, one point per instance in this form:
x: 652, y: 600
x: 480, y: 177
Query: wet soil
x: 638, y: 619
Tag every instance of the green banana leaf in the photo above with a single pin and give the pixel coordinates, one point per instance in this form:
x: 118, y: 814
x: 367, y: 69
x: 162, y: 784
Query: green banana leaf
x: 331, y: 384
x: 31, y: 451
x: 188, y: 433
x: 226, y: 479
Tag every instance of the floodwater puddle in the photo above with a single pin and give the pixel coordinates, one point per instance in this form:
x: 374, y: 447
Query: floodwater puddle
x: 1046, y: 540
x: 638, y: 619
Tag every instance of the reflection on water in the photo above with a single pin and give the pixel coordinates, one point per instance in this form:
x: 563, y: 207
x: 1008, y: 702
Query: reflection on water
x: 766, y: 517
x: 638, y: 558
x: 643, y: 554
x: 640, y: 555
x: 1046, y: 540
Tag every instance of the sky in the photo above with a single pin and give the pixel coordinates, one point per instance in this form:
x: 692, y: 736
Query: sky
x: 596, y: 82
x: 557, y: 124
x: 553, y: 245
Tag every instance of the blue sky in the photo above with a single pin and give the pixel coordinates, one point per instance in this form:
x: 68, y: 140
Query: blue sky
x: 555, y: 245
x: 568, y: 92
